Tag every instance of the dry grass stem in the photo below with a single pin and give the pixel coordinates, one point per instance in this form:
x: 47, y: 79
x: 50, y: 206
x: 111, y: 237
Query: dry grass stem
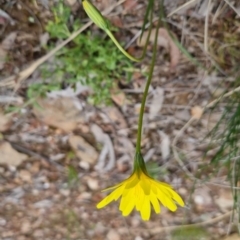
x: 181, y: 7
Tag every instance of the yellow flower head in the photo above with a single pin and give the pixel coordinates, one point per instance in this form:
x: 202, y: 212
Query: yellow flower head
x: 141, y: 191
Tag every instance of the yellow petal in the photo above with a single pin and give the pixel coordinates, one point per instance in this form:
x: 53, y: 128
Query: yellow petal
x: 132, y: 182
x: 155, y: 202
x: 166, y: 201
x: 112, y: 196
x: 128, y: 209
x: 146, y: 186
x: 124, y: 202
x: 145, y: 209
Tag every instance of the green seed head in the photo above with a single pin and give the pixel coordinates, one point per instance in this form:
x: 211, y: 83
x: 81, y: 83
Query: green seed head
x: 94, y: 14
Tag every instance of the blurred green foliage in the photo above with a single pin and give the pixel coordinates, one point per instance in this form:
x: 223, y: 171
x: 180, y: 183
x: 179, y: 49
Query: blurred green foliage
x: 93, y: 60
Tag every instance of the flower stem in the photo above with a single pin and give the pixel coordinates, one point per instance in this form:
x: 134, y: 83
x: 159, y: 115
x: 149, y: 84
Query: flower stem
x: 140, y: 119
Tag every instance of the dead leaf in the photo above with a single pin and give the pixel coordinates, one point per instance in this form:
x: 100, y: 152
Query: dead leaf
x: 71, y: 2
x: 165, y: 145
x: 117, y: 21
x: 196, y: 112
x: 182, y: 115
x: 8, y: 41
x: 107, y: 152
x: 84, y: 151
x: 60, y: 113
x: 164, y: 40
x: 128, y: 5
x: 115, y: 116
x: 232, y: 237
x: 157, y: 101
x: 3, y: 55
x: 224, y: 200
x: 10, y: 156
x: 6, y: 44
x: 5, y: 120
x: 118, y: 96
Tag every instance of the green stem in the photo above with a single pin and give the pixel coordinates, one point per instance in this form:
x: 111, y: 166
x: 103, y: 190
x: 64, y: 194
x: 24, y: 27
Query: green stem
x: 140, y: 119
x: 109, y: 33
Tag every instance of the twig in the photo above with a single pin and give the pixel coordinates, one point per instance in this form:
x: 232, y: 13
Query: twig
x: 187, y: 124
x: 211, y: 104
x: 175, y: 153
x: 36, y: 155
x: 234, y: 9
x: 12, y: 80
x: 200, y: 224
x: 179, y: 8
x: 206, y: 27
x: 199, y: 45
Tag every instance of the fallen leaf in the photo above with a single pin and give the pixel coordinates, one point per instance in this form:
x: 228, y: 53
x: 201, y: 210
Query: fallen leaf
x: 113, y: 235
x: 107, y: 152
x: 116, y: 21
x: 196, y: 112
x: 128, y: 5
x: 71, y: 2
x: 10, y: 156
x: 157, y: 101
x: 182, y: 115
x: 115, y: 116
x: 224, y: 199
x: 5, y: 120
x: 164, y: 40
x: 60, y: 113
x: 84, y: 151
x: 232, y: 237
x: 118, y: 97
x: 165, y: 145
x: 8, y: 41
x: 3, y: 55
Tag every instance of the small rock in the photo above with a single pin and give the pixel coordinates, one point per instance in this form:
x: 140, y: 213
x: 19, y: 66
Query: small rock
x: 35, y: 167
x: 84, y: 165
x: 202, y: 198
x: 122, y: 167
x: 138, y: 238
x: 232, y: 237
x: 85, y: 215
x: 25, y: 176
x: 5, y: 121
x: 83, y: 150
x: 182, y: 115
x: 224, y: 200
x: 92, y: 184
x: 84, y: 196
x: 113, y: 235
x: 71, y: 2
x: 65, y: 192
x: 10, y: 156
x: 100, y: 228
x: 43, y: 204
x: 38, y: 233
x: 25, y: 227
x: 135, y: 222
x: 123, y: 231
x: 2, y: 221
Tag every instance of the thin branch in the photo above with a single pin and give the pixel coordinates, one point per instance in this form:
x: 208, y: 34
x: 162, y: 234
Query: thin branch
x: 206, y: 26
x: 234, y: 9
x: 181, y: 7
x: 158, y: 230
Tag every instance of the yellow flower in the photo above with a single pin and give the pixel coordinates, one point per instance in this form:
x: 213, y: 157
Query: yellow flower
x: 141, y: 191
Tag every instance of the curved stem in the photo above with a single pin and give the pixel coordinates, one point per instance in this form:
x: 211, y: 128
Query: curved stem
x: 109, y: 33
x: 96, y: 16
x: 140, y: 119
